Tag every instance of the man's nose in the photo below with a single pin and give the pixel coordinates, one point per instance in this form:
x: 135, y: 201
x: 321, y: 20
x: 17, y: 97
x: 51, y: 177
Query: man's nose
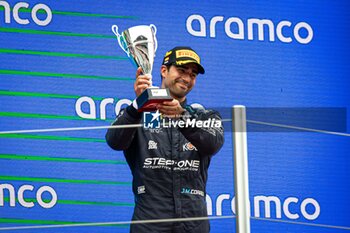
x: 186, y: 77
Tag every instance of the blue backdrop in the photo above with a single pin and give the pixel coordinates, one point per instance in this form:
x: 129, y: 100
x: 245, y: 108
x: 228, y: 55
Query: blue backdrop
x: 54, y: 54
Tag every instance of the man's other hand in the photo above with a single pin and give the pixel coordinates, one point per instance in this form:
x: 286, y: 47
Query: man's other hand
x: 171, y: 109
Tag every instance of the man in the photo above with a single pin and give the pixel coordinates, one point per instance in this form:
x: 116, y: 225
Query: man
x: 170, y: 165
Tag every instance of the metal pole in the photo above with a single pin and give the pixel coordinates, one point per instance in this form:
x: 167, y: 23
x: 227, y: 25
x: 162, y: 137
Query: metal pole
x: 240, y: 160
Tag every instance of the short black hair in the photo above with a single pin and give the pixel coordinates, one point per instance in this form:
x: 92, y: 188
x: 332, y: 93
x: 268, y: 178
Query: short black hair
x: 168, y: 68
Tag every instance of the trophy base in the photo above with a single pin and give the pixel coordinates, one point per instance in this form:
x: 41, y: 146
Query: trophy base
x: 151, y: 97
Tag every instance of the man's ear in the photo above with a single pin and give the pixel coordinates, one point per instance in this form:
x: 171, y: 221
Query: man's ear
x: 163, y: 71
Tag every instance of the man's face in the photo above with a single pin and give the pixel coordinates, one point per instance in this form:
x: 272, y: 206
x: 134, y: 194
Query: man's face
x: 179, y: 79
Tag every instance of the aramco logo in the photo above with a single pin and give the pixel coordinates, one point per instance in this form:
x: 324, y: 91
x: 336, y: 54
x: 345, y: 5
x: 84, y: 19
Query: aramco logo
x: 239, y: 29
x: 19, y: 13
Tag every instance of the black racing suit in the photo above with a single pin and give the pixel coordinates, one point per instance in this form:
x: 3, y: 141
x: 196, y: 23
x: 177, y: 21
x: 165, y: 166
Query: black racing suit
x: 169, y: 167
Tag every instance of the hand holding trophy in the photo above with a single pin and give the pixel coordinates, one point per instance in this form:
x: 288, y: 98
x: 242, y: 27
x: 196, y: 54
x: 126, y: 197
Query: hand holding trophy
x: 140, y: 45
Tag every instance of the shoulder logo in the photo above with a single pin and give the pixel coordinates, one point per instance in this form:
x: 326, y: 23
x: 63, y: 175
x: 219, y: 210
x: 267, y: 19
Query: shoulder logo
x: 188, y: 147
x: 141, y: 189
x: 152, y: 145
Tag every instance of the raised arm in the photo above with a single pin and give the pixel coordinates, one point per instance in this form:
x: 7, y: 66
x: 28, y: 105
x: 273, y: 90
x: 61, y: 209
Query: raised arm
x: 121, y: 138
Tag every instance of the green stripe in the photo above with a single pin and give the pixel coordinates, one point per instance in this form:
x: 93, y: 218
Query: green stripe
x: 75, y: 202
x: 94, y: 15
x: 45, y: 95
x: 49, y: 137
x: 47, y: 222
x: 47, y: 74
x: 37, y: 94
x: 72, y: 13
x: 59, y: 54
x: 60, y: 180
x: 48, y: 116
x: 70, y: 202
x: 34, y: 221
x: 55, y: 33
x: 41, y: 116
x: 58, y: 159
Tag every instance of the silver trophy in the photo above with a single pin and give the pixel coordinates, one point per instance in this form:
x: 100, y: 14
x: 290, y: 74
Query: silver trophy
x: 140, y: 45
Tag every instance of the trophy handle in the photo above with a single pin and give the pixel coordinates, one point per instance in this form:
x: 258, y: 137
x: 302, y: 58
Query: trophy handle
x: 119, y: 37
x: 154, y: 29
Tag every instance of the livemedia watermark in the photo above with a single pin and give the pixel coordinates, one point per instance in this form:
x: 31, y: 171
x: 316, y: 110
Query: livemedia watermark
x: 269, y: 119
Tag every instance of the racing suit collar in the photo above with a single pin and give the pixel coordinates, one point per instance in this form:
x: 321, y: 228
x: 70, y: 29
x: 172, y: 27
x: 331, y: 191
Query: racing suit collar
x: 184, y: 103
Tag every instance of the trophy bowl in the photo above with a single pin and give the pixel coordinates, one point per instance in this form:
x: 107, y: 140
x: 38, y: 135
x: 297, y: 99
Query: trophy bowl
x: 140, y: 45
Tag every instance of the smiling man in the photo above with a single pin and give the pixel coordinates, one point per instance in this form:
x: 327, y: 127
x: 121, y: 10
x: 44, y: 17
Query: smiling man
x: 170, y: 165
